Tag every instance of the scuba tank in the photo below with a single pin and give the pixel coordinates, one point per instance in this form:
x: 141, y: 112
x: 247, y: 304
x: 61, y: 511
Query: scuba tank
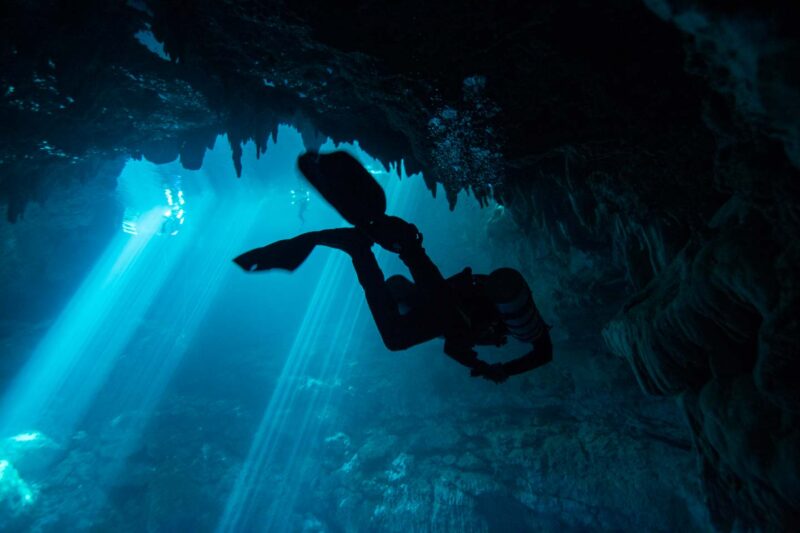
x: 512, y: 297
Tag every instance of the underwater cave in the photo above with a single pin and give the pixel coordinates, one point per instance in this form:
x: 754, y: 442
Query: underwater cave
x: 636, y: 161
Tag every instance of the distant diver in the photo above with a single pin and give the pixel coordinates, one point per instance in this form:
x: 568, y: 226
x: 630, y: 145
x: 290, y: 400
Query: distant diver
x: 467, y: 309
x: 301, y: 199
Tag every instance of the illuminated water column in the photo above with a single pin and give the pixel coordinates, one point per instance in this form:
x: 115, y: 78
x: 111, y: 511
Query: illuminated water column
x: 337, y: 306
x: 164, y: 270
x: 177, y: 314
x: 65, y: 371
x: 63, y: 375
x: 352, y: 320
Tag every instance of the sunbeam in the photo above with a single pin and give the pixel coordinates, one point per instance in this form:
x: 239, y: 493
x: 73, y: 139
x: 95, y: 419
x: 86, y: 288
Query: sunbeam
x: 105, y: 369
x: 326, y: 332
x: 73, y: 360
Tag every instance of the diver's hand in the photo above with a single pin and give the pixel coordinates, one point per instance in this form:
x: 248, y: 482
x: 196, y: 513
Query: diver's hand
x: 494, y: 372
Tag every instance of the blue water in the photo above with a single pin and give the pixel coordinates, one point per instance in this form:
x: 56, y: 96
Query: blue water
x: 174, y: 392
x: 148, y: 384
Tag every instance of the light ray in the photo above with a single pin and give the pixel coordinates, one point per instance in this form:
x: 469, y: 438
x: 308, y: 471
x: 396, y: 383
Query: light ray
x: 78, y: 351
x: 141, y: 392
x: 337, y: 303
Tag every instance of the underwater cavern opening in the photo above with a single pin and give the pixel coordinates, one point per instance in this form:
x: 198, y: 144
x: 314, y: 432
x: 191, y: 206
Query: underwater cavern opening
x: 108, y: 414
x: 636, y: 161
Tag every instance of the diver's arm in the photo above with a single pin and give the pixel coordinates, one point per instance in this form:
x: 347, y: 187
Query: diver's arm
x: 541, y: 354
x: 462, y: 353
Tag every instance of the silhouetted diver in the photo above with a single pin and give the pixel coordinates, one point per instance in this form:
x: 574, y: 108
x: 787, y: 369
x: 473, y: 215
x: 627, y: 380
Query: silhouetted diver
x: 466, y: 309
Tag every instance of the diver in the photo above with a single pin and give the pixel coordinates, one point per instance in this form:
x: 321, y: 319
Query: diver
x: 175, y: 212
x: 466, y: 309
x: 301, y: 199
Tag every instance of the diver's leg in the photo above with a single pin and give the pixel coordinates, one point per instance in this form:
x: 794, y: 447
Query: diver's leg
x: 423, y: 270
x: 397, y: 331
x: 287, y: 254
x: 403, y: 238
x: 437, y: 296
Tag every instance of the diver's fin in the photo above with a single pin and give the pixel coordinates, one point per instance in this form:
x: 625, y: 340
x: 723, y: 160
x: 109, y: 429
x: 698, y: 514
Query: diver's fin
x: 284, y: 255
x: 346, y: 185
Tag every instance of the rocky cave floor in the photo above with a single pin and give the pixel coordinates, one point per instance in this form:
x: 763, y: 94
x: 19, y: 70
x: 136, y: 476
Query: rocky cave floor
x: 571, y: 448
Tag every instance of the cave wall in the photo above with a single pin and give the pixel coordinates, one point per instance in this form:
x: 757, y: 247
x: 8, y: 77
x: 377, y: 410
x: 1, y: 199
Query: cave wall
x: 645, y: 153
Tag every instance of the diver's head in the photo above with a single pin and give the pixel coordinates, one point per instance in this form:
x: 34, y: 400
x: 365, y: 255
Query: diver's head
x: 512, y: 296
